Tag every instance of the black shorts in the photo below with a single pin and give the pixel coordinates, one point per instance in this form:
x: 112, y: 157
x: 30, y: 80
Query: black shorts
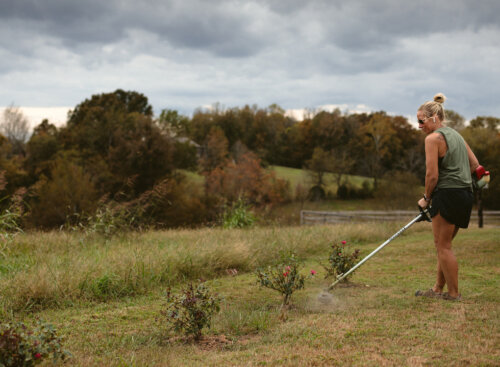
x: 454, y: 205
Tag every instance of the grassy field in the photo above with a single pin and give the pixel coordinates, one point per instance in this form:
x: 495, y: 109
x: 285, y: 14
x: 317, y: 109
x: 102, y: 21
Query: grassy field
x: 105, y: 297
x: 295, y: 177
x: 299, y: 176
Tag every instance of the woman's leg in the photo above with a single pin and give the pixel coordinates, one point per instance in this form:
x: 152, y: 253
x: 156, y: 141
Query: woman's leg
x: 444, y: 232
x: 440, y: 279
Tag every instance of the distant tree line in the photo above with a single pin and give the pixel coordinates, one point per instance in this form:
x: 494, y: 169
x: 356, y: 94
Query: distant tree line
x: 114, y: 155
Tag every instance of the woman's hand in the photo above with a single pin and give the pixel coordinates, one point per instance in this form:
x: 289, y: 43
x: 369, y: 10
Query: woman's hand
x: 423, y: 203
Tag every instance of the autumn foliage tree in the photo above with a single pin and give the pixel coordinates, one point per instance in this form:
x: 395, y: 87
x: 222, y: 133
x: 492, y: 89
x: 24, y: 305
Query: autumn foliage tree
x: 379, y: 143
x: 109, y: 138
x: 116, y: 137
x: 215, y: 151
x: 68, y: 191
x: 41, y: 149
x: 248, y: 180
x: 12, y: 167
x: 140, y: 149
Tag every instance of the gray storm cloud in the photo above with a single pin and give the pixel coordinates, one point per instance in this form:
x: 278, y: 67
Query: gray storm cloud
x: 183, y: 54
x: 207, y: 24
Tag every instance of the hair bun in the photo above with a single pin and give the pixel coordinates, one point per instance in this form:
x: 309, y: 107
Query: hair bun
x: 439, y: 98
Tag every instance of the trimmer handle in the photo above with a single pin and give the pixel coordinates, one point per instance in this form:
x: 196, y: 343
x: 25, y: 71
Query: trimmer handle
x: 424, y: 214
x: 481, y: 178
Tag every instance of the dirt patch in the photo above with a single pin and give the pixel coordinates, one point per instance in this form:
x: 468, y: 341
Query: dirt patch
x: 247, y: 339
x: 215, y: 342
x: 331, y: 300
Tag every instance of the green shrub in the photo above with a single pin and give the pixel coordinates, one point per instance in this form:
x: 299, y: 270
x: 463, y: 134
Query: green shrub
x: 106, y: 286
x: 340, y: 261
x: 283, y: 276
x: 191, y: 310
x: 20, y: 346
x: 107, y: 221
x: 238, y: 216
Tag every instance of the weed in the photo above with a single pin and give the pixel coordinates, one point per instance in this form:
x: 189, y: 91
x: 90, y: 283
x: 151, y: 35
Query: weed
x: 9, y: 227
x: 107, y: 222
x: 191, y: 310
x: 238, y: 216
x: 9, y: 221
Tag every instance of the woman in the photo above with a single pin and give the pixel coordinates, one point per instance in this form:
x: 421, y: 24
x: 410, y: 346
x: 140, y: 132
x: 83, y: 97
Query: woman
x: 448, y: 184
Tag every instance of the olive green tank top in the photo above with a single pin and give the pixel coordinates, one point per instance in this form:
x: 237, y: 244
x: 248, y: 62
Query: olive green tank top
x: 454, y: 168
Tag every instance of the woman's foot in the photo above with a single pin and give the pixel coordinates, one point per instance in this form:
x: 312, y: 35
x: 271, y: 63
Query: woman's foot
x: 430, y: 293
x: 446, y: 296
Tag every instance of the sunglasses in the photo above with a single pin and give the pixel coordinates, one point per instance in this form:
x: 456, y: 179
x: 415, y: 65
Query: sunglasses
x: 421, y: 122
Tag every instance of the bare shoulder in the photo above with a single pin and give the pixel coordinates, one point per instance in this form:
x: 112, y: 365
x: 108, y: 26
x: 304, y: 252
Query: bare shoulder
x: 434, y: 138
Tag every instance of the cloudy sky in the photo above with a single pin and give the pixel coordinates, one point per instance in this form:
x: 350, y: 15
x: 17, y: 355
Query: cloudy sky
x: 387, y: 55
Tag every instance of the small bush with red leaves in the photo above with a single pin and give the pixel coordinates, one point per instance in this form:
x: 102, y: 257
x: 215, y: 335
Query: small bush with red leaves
x: 283, y: 276
x: 21, y: 346
x: 341, y: 260
x: 191, y: 310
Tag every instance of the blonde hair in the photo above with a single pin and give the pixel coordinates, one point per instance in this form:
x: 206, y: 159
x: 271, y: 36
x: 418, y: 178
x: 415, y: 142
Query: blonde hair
x: 435, y: 107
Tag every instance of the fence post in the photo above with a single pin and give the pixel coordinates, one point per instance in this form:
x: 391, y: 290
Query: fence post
x: 480, y: 208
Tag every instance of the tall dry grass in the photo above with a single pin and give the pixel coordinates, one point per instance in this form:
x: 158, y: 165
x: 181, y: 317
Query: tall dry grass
x: 57, y: 269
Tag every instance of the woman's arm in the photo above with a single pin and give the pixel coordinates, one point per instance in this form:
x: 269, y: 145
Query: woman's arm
x: 431, y: 166
x: 431, y: 162
x: 473, y: 162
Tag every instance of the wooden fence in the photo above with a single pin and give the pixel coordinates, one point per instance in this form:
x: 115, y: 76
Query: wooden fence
x: 309, y: 217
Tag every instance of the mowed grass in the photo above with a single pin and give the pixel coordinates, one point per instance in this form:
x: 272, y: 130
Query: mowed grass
x: 375, y: 321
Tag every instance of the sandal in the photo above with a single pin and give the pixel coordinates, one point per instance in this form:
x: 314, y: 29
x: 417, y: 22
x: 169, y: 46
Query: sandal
x: 447, y: 297
x: 428, y: 293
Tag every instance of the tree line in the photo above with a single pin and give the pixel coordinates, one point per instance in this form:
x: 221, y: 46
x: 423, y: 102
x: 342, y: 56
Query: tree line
x: 114, y: 156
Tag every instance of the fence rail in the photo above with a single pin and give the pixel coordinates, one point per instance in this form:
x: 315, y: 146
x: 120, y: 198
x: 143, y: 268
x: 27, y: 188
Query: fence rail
x: 310, y: 217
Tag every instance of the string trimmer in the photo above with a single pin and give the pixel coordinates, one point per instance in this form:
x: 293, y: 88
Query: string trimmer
x: 423, y: 215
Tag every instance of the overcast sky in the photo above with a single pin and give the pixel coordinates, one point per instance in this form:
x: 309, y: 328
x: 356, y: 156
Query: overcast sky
x: 389, y: 55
